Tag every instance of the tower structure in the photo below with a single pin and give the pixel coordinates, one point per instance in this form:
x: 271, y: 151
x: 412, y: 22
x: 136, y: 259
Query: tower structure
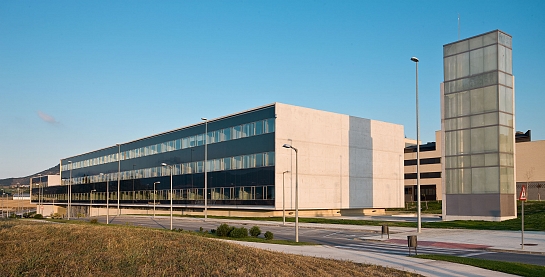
x: 477, y: 123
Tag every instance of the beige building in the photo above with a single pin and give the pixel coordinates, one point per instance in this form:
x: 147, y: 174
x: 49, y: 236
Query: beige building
x: 530, y: 168
x: 430, y: 170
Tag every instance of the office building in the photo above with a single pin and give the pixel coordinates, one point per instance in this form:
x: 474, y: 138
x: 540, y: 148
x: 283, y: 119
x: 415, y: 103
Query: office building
x: 346, y: 165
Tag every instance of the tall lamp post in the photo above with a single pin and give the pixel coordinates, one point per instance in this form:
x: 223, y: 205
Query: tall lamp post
x: 69, y: 192
x: 107, y: 198
x: 284, y: 197
x: 3, y: 202
x: 418, y: 212
x: 296, y: 191
x: 154, y: 196
x: 91, y: 206
x: 171, y: 194
x: 40, y: 191
x: 205, y: 167
x: 118, y: 175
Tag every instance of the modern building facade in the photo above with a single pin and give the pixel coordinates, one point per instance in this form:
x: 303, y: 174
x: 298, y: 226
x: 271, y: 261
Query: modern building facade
x: 530, y: 168
x: 477, y: 123
x: 346, y: 164
x: 430, y: 170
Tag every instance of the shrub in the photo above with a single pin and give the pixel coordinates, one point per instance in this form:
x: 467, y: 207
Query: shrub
x: 38, y: 216
x: 212, y: 231
x: 56, y: 216
x: 13, y: 215
x: 238, y: 232
x: 269, y: 235
x: 201, y: 229
x: 255, y: 231
x: 93, y: 221
x: 224, y: 230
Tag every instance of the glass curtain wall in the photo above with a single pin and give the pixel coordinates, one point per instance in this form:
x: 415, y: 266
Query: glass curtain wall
x: 478, y: 115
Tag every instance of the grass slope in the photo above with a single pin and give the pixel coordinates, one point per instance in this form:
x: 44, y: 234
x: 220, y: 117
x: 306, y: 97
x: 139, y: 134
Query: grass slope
x: 52, y: 249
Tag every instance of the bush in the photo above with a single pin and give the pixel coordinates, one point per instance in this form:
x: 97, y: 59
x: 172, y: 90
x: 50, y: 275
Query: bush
x: 212, y: 231
x: 224, y: 230
x: 255, y: 231
x: 38, y: 216
x: 201, y: 229
x: 13, y: 215
x: 93, y: 221
x: 238, y: 232
x: 269, y: 235
x: 56, y: 216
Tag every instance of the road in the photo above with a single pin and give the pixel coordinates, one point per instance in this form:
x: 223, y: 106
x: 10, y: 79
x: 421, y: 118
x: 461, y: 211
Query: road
x: 345, y: 239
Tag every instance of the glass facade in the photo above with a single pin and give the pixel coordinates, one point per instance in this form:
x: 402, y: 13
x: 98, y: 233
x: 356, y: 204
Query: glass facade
x: 240, y: 166
x: 478, y: 112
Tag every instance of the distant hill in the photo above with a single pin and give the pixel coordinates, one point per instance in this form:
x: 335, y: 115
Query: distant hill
x: 26, y: 180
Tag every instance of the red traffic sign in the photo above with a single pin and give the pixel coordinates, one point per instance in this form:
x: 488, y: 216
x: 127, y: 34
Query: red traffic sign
x: 522, y: 196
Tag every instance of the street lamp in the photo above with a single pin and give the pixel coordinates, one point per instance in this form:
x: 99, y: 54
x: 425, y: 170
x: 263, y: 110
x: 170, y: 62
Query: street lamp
x: 3, y: 202
x: 107, y: 198
x: 284, y: 197
x: 418, y: 212
x: 296, y: 191
x: 69, y: 192
x: 171, y: 194
x: 154, y: 195
x: 40, y: 191
x: 91, y: 206
x: 205, y: 167
x: 118, y: 175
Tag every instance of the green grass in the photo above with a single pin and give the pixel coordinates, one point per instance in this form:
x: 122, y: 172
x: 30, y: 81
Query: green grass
x: 428, y: 207
x: 534, y: 220
x: 506, y: 267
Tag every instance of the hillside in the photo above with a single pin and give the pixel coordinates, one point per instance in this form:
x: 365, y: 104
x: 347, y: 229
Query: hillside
x: 26, y: 180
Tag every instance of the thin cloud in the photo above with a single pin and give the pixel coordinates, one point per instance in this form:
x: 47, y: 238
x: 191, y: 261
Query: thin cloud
x: 47, y: 118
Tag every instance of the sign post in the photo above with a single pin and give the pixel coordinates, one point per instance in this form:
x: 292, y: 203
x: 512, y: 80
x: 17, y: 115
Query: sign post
x: 522, y: 198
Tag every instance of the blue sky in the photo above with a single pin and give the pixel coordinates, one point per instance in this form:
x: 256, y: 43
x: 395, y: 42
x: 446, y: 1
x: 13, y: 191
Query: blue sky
x: 76, y: 76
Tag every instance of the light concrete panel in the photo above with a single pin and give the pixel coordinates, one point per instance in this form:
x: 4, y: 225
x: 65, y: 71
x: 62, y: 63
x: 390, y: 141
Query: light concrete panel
x: 337, y: 155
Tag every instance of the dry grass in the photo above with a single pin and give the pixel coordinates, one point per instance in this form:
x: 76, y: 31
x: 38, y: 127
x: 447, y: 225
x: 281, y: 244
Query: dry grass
x: 31, y: 248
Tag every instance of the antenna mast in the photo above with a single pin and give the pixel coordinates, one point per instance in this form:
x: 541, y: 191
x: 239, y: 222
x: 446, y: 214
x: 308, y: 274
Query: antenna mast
x: 458, y: 26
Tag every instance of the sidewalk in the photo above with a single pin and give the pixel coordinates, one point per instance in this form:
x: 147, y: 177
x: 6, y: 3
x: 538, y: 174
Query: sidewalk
x: 506, y: 241
x: 415, y: 265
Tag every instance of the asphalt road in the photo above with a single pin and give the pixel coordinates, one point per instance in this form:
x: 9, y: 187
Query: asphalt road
x: 341, y: 238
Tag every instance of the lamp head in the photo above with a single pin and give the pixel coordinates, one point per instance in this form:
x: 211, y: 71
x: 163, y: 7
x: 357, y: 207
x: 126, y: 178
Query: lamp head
x: 204, y: 118
x: 286, y: 146
x: 414, y: 59
x: 164, y: 164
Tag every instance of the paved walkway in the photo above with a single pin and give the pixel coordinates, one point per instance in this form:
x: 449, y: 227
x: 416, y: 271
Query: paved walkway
x: 405, y: 263
x: 505, y: 241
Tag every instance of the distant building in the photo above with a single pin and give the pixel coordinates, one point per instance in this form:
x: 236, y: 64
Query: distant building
x: 430, y: 170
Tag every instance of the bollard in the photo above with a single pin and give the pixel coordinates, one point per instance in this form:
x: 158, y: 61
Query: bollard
x: 412, y: 243
x: 385, y: 230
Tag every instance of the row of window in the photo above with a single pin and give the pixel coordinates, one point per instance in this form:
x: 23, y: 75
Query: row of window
x: 221, y: 193
x: 228, y: 163
x: 423, y: 161
x: 226, y: 134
